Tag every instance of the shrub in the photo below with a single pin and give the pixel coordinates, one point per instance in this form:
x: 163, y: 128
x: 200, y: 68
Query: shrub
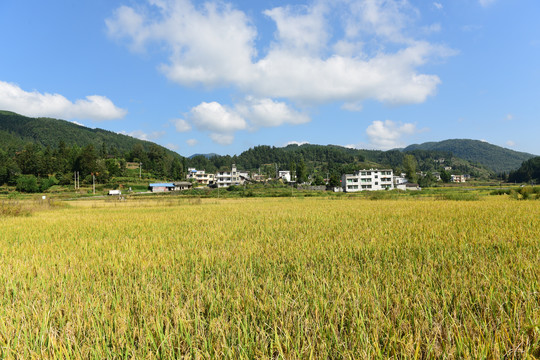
x: 47, y: 183
x: 27, y: 183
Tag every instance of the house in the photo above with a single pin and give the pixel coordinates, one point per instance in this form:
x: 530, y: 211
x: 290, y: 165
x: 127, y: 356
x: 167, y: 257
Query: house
x: 161, y: 187
x: 368, y: 180
x: 457, y: 178
x: 115, y: 192
x: 284, y: 175
x: 398, y: 180
x: 228, y: 178
x: 258, y: 177
x: 164, y: 187
x: 200, y: 176
x: 182, y: 185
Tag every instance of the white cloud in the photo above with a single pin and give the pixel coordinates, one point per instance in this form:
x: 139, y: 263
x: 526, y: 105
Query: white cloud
x: 307, y: 63
x: 438, y: 5
x: 77, y: 123
x: 181, y: 125
x: 222, y: 139
x: 352, y: 106
x: 301, y: 30
x: 297, y: 143
x: 267, y: 113
x: 388, y: 134
x: 510, y: 143
x: 192, y: 142
x: 36, y: 104
x: 214, y: 117
x: 172, y: 147
x: 222, y: 122
x: 217, y: 119
x: 486, y: 3
x: 509, y: 117
x: 139, y: 134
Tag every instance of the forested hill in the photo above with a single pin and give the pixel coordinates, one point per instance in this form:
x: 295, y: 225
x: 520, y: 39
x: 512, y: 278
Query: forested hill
x: 495, y: 158
x: 17, y: 130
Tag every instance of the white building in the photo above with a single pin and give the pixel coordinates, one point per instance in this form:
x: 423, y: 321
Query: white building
x: 285, y: 175
x: 228, y: 178
x: 368, y: 180
x: 457, y: 178
x: 398, y: 180
x: 200, y: 176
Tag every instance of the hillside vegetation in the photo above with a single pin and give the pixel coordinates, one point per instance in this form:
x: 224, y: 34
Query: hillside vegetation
x: 45, y: 148
x: 493, y: 157
x: 17, y: 130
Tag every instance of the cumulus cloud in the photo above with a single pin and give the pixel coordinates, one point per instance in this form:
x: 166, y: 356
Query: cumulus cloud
x: 181, y: 125
x: 216, y: 118
x: 36, y: 104
x: 438, y: 5
x: 388, y: 134
x: 222, y: 139
x: 307, y: 62
x: 139, y: 134
x: 269, y: 113
x: 221, y: 122
x: 192, y: 142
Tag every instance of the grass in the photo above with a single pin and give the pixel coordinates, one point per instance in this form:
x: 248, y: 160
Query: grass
x: 272, y: 278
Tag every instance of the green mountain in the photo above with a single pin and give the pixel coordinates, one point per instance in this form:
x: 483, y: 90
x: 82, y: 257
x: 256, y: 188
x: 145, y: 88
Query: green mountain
x: 17, y: 130
x: 528, y: 172
x: 495, y: 158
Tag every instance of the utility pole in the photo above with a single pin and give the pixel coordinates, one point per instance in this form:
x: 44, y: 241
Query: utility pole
x: 140, y: 170
x: 93, y: 184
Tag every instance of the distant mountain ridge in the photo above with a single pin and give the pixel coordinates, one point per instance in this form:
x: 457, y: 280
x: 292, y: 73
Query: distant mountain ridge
x: 495, y: 158
x: 17, y: 130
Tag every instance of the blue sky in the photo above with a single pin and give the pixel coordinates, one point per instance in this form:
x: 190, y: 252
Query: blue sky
x: 224, y: 76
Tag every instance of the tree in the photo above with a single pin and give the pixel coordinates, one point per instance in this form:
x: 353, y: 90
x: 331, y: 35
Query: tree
x: 176, y: 172
x: 301, y: 175
x: 29, y: 159
x: 27, y: 183
x: 334, y: 180
x: 88, y: 160
x: 319, y: 180
x: 409, y: 164
x: 292, y: 169
x: 445, y: 176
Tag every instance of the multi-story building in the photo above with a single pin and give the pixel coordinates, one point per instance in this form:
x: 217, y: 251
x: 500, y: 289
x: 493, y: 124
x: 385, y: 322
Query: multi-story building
x: 200, y: 176
x: 368, y: 180
x: 285, y: 175
x: 457, y: 178
x: 228, y: 178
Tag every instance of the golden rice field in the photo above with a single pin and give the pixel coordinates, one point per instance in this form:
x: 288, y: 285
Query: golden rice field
x: 272, y: 278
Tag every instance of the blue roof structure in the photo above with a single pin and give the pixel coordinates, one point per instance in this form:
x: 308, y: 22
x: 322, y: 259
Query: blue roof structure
x: 162, y: 185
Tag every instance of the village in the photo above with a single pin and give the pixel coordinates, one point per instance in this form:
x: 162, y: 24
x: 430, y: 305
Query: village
x: 361, y: 180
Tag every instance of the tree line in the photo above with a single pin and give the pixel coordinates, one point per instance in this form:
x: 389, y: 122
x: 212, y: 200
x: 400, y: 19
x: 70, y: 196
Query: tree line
x: 35, y: 168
